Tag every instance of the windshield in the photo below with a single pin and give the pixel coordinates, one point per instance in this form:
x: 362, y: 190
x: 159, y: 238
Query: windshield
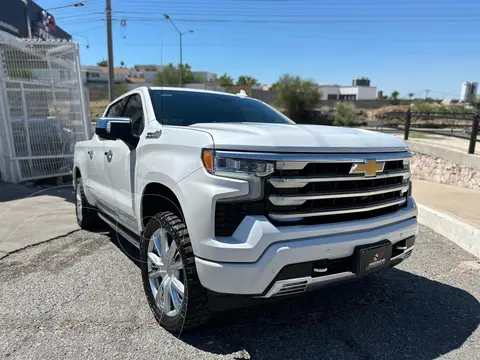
x: 183, y: 108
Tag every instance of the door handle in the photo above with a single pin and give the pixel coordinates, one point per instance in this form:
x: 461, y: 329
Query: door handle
x: 109, y: 155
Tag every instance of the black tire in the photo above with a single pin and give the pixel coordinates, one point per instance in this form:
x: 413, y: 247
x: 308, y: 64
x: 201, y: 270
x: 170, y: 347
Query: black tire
x: 87, y: 218
x: 194, y: 311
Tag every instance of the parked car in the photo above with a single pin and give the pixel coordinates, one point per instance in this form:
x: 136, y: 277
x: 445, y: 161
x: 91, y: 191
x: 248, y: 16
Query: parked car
x: 228, y: 199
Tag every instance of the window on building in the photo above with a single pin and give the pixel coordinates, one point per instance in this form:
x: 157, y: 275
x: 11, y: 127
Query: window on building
x: 332, y: 97
x: 348, y: 97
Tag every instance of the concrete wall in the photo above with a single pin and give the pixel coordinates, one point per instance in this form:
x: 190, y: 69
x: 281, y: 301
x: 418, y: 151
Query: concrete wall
x: 367, y: 93
x: 445, y: 166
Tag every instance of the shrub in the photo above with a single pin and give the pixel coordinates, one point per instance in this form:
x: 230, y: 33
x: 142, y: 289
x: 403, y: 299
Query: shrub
x: 345, y: 114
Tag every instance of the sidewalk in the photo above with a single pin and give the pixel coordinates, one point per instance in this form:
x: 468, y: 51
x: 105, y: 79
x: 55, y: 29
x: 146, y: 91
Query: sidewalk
x: 451, y: 211
x: 31, y: 215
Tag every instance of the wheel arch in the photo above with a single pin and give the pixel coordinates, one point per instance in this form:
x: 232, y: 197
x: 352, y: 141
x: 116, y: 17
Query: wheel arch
x: 157, y: 197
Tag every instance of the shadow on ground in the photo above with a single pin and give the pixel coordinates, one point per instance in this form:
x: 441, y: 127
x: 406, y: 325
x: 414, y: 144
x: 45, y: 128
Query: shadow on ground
x: 9, y: 192
x: 391, y: 315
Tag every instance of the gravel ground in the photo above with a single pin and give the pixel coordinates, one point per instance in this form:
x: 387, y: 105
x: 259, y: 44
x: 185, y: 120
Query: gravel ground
x: 81, y: 297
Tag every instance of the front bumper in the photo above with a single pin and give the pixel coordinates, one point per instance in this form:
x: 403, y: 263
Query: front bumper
x: 298, y: 244
x: 248, y: 262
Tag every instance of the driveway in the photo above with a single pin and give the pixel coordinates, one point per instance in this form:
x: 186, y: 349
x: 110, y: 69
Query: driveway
x: 80, y: 296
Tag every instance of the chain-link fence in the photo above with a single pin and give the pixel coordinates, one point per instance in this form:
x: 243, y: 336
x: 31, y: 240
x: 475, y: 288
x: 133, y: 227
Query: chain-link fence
x: 43, y: 108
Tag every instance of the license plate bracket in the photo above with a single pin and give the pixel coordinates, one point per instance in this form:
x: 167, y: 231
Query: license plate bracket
x: 372, y: 258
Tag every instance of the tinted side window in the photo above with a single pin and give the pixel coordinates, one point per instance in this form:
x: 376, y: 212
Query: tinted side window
x: 116, y: 110
x: 134, y: 110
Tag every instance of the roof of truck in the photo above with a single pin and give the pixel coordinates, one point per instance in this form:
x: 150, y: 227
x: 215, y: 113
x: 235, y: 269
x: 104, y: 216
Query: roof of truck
x: 190, y: 90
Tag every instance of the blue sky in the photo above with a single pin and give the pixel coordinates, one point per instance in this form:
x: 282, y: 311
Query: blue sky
x: 408, y: 45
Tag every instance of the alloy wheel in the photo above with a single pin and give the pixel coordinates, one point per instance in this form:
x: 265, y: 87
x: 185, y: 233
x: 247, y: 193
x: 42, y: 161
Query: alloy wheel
x: 165, y: 272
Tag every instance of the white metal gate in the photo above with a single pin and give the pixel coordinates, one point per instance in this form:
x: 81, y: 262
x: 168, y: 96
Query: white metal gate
x: 43, y: 108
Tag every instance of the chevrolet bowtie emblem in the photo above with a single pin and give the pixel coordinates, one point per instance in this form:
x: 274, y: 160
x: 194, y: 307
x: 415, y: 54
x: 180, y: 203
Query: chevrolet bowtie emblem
x: 367, y: 168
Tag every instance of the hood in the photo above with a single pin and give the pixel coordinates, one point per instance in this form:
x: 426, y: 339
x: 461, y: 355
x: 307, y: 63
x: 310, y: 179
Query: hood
x: 299, y: 138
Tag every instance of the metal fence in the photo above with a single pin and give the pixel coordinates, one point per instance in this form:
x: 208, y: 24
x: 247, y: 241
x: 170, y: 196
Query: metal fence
x: 462, y: 125
x: 43, y: 108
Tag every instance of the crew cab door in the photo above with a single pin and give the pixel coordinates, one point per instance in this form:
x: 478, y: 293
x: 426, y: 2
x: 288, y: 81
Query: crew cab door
x: 95, y: 181
x: 120, y: 164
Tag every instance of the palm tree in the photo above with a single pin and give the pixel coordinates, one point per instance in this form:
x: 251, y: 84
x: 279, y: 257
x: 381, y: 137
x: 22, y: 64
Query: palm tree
x: 410, y: 96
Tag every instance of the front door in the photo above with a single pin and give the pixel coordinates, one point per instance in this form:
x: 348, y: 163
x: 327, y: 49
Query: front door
x: 121, y: 164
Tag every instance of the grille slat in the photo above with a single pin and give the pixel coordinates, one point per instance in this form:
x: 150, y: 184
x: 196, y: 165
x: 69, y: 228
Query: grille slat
x: 327, y: 192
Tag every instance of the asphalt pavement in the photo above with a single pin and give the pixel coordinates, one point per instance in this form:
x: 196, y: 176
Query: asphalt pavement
x: 81, y: 297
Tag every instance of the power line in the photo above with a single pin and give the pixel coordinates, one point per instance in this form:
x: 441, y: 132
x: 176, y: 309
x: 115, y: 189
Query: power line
x: 318, y: 21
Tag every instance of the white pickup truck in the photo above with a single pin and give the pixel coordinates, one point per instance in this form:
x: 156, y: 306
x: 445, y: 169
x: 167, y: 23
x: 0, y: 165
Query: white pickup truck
x: 228, y: 199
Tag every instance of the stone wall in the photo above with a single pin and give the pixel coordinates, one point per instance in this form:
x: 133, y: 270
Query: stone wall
x: 445, y: 171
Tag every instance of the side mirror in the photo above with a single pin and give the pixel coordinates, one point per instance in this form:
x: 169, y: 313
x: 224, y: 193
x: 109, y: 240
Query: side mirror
x: 116, y: 128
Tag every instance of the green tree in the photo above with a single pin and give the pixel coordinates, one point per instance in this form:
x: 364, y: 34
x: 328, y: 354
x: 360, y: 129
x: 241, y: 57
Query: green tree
x: 170, y: 75
x: 345, y: 114
x: 296, y: 95
x: 103, y: 63
x: 394, y: 96
x: 247, y: 81
x: 225, y: 80
x: 410, y: 96
x: 122, y: 64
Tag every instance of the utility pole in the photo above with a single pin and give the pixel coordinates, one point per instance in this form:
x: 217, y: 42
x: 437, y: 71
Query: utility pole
x: 426, y: 94
x: 111, y: 74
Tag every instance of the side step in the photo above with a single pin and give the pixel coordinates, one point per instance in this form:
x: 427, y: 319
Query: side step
x: 127, y: 234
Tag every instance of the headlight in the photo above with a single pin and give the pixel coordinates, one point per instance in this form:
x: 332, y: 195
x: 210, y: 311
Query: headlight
x: 236, y: 168
x: 244, y: 169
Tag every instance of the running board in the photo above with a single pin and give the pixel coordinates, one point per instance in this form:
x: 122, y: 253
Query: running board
x: 127, y: 234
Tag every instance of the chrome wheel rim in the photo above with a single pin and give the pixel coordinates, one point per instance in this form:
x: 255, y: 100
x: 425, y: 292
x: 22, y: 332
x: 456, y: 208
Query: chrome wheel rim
x: 78, y: 200
x: 165, y: 272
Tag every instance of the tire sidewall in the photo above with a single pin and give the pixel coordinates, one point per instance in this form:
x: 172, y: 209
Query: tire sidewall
x: 171, y: 323
x: 79, y: 187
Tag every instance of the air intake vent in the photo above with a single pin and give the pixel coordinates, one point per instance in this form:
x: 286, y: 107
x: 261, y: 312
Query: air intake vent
x: 293, y: 288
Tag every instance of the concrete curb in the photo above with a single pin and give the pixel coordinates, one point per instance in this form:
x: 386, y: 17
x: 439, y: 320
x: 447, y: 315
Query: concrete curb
x: 464, y: 235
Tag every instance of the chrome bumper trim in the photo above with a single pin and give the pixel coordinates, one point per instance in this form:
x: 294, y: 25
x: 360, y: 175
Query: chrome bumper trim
x: 300, y: 285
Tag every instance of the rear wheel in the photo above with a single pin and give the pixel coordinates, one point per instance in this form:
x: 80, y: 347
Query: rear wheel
x: 87, y: 217
x: 170, y: 280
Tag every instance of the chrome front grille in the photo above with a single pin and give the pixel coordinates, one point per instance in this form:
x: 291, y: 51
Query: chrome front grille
x: 323, y: 189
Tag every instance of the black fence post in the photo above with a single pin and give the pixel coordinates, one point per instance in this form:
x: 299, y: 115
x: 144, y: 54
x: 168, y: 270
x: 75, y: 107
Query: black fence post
x: 473, y: 135
x: 408, y: 119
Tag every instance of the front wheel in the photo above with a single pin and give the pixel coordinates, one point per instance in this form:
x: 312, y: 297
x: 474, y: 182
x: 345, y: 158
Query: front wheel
x: 174, y: 293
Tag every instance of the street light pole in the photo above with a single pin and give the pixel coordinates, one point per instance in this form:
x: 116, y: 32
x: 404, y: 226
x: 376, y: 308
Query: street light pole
x: 77, y: 4
x: 181, y: 37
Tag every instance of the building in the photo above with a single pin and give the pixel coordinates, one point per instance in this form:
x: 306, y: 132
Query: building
x: 361, y: 81
x: 469, y: 91
x: 99, y: 75
x: 360, y: 90
x: 148, y: 72
x: 26, y: 19
x: 205, y: 76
